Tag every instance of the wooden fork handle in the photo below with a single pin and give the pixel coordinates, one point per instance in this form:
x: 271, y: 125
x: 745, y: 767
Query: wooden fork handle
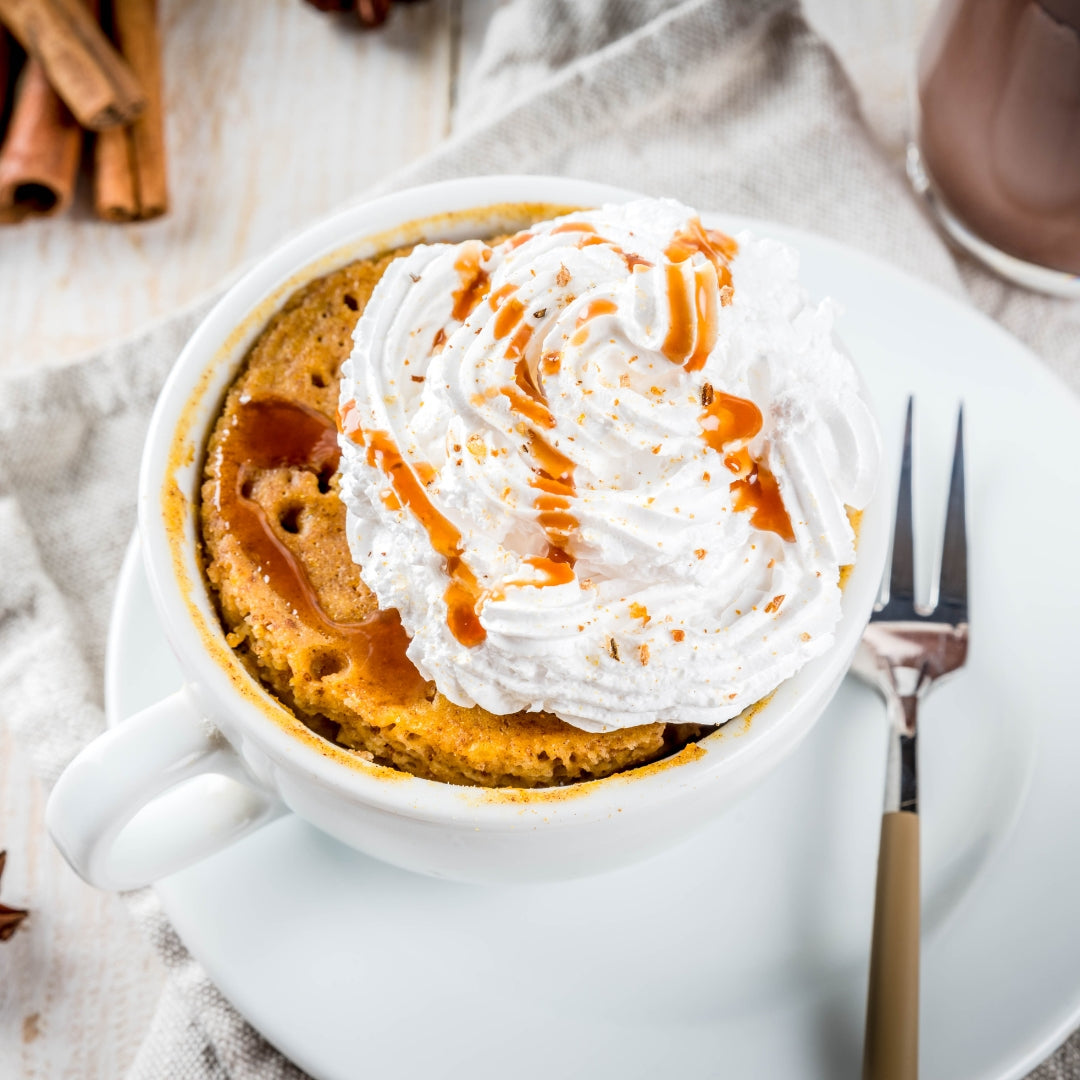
x: 891, y: 1051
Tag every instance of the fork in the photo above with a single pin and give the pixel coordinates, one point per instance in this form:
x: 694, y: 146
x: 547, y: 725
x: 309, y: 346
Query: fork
x: 904, y: 652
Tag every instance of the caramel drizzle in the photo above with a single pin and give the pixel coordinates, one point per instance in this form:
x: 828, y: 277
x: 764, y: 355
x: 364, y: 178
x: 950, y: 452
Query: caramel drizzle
x: 500, y: 294
x: 553, y: 478
x: 475, y: 283
x: 555, y: 566
x: 591, y: 310
x: 555, y: 490
x: 631, y: 258
x: 717, y: 247
x: 682, y: 327
x: 551, y: 363
x: 553, y: 481
x: 728, y: 423
x: 692, y: 292
x: 463, y: 595
x: 760, y: 494
x: 526, y: 396
x: 518, y: 342
x: 271, y: 433
x: 507, y: 316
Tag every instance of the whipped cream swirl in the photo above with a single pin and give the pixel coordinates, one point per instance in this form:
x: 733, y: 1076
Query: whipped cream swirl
x: 603, y: 467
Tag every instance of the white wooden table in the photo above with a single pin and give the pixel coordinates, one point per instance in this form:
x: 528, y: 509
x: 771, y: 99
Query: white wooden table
x: 276, y: 114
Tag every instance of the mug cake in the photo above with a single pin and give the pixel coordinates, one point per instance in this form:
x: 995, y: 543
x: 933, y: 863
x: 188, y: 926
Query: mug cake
x: 535, y: 510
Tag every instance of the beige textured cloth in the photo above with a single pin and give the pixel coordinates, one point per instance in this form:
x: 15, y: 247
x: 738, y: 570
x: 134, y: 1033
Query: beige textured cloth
x: 735, y: 105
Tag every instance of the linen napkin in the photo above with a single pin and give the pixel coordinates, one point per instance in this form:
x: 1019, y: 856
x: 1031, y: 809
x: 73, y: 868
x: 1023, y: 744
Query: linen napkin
x: 733, y: 104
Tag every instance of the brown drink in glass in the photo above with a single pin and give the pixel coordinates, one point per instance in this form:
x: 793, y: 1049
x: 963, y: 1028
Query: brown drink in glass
x: 998, y: 142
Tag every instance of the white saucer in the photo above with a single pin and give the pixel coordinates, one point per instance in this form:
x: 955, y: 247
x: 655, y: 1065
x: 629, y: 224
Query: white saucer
x: 743, y: 952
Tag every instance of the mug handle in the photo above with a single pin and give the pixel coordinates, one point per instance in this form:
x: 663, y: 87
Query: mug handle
x: 119, y: 816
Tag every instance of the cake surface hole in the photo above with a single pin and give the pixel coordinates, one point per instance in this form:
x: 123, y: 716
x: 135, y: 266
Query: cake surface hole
x: 326, y: 662
x: 289, y: 519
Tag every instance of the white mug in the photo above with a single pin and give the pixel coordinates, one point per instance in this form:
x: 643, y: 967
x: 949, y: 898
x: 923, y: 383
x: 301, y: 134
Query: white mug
x: 107, y: 813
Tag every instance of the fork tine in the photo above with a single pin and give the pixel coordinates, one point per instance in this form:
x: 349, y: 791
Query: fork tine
x: 952, y: 593
x: 902, y: 576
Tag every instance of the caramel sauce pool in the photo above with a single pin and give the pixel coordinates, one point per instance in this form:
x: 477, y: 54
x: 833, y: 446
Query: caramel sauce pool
x: 272, y: 433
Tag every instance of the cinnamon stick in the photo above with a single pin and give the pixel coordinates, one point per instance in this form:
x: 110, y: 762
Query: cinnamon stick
x: 135, y: 28
x: 39, y: 158
x: 6, y: 62
x: 93, y: 80
x: 115, y: 197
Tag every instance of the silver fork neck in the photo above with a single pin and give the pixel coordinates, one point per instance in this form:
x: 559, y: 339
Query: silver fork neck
x: 901, y: 768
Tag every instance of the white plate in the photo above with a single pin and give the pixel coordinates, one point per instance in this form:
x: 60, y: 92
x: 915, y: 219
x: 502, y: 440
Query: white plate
x: 743, y: 952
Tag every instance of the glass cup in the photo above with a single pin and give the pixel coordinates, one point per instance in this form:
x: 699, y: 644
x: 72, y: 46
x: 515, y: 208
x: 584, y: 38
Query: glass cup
x: 997, y: 146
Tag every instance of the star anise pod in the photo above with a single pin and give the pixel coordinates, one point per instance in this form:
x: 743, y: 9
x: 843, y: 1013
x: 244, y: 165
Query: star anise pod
x: 10, y: 917
x: 369, y: 12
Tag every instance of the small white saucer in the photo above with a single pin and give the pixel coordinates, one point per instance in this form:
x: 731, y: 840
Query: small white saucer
x: 743, y: 952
